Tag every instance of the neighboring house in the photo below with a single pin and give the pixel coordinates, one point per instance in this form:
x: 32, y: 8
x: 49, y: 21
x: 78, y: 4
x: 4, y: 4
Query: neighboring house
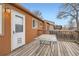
x: 58, y: 27
x: 18, y: 26
x: 52, y: 25
x: 40, y: 28
x: 48, y: 25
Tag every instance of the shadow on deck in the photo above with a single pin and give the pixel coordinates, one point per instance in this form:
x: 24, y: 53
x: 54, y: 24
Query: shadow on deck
x: 59, y: 48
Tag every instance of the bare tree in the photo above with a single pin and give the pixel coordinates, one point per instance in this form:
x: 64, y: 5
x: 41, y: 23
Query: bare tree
x: 70, y: 25
x: 37, y: 13
x: 70, y: 9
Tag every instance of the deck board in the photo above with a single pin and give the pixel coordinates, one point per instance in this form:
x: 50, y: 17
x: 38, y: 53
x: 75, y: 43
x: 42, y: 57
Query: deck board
x: 59, y: 48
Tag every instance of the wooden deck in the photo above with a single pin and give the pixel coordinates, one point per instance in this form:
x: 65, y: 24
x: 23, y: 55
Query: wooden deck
x: 59, y: 48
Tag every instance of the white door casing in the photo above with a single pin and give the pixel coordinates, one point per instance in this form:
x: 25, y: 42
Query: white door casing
x: 17, y: 29
x: 1, y: 20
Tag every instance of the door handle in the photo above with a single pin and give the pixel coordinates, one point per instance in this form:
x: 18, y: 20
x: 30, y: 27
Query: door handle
x: 13, y: 32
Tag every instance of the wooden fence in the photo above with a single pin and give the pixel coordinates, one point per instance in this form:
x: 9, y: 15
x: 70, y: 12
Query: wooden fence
x: 68, y: 35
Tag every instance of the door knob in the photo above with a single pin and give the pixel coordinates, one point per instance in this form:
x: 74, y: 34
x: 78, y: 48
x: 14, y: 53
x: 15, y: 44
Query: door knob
x: 13, y: 32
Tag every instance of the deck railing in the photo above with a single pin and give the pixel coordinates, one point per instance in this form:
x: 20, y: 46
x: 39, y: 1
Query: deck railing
x: 39, y: 32
x: 65, y: 35
x: 42, y: 32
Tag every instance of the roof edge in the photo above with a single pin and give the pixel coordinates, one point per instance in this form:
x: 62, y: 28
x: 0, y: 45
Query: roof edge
x: 25, y: 10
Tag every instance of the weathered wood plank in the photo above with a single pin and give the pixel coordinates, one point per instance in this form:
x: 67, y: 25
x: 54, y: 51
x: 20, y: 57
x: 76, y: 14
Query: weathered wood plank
x: 59, y: 48
x: 55, y: 48
x: 70, y: 49
x: 59, y: 53
x: 38, y: 54
x: 45, y: 54
x: 64, y: 49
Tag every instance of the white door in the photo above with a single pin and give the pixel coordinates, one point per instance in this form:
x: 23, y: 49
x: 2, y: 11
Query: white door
x: 17, y: 29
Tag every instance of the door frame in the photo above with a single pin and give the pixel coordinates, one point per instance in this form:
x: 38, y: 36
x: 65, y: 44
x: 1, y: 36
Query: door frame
x: 12, y: 27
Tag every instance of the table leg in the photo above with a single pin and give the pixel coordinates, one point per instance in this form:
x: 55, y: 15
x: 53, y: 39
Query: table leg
x: 40, y: 43
x: 51, y: 47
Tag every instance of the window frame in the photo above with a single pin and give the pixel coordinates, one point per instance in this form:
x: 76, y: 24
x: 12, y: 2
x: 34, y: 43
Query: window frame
x: 2, y: 21
x: 36, y: 23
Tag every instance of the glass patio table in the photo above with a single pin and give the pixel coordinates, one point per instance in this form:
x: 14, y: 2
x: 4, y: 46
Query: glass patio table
x: 47, y: 39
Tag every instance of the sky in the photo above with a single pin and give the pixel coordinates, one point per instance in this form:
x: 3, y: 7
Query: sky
x: 49, y: 11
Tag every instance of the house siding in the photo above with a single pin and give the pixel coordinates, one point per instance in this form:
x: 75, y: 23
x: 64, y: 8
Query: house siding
x: 40, y: 28
x: 51, y: 27
x: 46, y: 27
x: 5, y: 40
x: 30, y: 33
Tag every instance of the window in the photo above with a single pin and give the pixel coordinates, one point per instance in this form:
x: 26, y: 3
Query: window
x: 1, y: 22
x: 34, y: 23
x: 18, y: 28
x: 19, y: 24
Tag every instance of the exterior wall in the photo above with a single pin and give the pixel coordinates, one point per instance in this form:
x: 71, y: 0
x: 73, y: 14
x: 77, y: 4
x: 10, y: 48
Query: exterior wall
x: 30, y: 34
x: 5, y: 39
x: 46, y: 27
x: 58, y: 27
x: 41, y: 28
x: 51, y: 27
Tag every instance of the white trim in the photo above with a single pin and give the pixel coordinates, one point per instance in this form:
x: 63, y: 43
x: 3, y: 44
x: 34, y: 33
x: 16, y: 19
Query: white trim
x: 1, y: 21
x: 11, y: 29
x: 12, y: 25
x: 36, y: 23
